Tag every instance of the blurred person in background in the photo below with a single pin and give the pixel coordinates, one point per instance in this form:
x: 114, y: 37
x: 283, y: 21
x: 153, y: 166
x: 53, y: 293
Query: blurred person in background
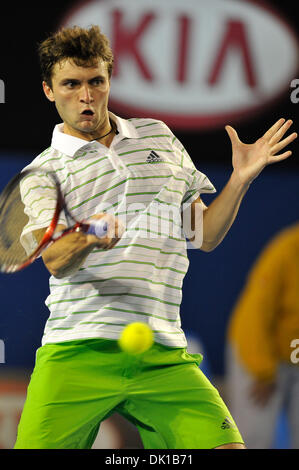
x: 262, y: 370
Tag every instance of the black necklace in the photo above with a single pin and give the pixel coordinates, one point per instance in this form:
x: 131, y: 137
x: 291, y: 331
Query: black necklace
x: 105, y: 135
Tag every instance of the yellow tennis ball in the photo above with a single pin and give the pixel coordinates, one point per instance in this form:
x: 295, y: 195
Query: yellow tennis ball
x: 136, y: 338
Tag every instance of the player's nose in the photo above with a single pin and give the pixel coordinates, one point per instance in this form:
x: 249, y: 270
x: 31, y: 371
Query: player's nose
x: 86, y: 94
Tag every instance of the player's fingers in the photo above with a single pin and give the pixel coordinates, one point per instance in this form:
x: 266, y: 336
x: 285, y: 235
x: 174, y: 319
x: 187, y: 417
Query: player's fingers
x: 280, y: 157
x: 233, y: 135
x: 280, y: 145
x: 270, y: 132
x: 108, y: 243
x: 281, y: 132
x: 119, y: 228
x: 111, y: 222
x: 115, y: 230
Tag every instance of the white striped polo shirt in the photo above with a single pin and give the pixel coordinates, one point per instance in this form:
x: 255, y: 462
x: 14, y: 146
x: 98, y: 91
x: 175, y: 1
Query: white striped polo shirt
x: 144, y: 178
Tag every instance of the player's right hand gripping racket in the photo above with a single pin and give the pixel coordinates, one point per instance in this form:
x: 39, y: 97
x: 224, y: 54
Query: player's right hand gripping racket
x: 30, y: 203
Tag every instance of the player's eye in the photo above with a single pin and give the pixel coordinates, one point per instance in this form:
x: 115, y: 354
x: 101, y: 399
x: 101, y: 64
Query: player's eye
x: 97, y: 81
x: 70, y: 83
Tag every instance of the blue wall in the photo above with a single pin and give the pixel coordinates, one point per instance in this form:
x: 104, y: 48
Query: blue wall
x: 210, y: 287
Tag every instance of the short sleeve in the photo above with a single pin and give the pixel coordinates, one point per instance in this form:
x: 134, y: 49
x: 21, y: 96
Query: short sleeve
x: 199, y: 182
x: 39, y: 196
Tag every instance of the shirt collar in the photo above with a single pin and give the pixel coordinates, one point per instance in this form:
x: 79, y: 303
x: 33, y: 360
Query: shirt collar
x: 69, y: 144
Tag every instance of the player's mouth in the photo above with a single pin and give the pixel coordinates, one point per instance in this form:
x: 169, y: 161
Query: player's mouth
x: 87, y: 114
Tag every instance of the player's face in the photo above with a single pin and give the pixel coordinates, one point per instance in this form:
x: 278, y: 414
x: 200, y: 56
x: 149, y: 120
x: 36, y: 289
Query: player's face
x: 81, y: 97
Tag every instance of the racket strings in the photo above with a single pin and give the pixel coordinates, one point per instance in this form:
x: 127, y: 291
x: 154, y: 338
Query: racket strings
x: 13, y: 219
x: 27, y: 206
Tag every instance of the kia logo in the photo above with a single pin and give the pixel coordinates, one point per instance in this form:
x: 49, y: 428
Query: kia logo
x: 193, y: 64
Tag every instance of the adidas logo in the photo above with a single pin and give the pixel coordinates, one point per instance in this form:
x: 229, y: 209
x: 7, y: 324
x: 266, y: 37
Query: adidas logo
x: 227, y: 424
x: 154, y: 158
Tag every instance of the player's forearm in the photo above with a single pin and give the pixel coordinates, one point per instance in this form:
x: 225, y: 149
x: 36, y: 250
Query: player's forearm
x: 220, y: 215
x: 64, y: 257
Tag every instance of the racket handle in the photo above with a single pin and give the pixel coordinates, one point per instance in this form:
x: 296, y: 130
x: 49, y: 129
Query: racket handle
x: 99, y: 228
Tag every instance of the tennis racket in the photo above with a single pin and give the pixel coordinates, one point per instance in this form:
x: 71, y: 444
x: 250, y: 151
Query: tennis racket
x: 31, y: 207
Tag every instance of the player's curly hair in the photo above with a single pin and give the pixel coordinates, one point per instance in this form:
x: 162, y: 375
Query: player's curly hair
x: 83, y: 46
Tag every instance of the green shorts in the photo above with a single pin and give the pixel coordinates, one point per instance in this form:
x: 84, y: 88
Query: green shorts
x: 76, y: 385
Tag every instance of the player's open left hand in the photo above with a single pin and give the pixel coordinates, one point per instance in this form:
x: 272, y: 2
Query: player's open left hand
x: 250, y: 159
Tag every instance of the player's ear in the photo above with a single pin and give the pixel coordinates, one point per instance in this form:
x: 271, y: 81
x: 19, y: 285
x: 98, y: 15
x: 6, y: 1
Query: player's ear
x: 48, y: 91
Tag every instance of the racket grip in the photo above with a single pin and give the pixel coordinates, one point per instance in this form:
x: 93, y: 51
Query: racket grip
x: 99, y: 228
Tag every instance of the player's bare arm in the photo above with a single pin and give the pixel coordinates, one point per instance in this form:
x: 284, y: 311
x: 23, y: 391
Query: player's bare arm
x: 65, y: 256
x: 248, y: 161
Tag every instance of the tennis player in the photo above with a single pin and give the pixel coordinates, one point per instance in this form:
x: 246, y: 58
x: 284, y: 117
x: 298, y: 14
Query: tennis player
x: 138, y: 172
